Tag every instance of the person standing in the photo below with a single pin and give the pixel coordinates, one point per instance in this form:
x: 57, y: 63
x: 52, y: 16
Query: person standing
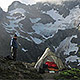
x: 14, y: 46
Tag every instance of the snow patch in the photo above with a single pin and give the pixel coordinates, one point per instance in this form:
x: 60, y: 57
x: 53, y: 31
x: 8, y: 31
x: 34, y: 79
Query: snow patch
x: 35, y: 20
x: 36, y: 40
x: 71, y: 21
x: 72, y: 58
x: 55, y: 15
x: 14, y: 22
x: 74, y: 17
x: 79, y: 61
x: 17, y: 10
x: 45, y: 30
x: 24, y: 50
x: 24, y: 37
x: 67, y: 46
x: 30, y: 33
x: 19, y: 35
x: 49, y: 30
x: 46, y: 4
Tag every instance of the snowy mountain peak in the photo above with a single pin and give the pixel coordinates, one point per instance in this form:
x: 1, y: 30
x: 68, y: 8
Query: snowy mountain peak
x: 44, y: 25
x: 15, y: 4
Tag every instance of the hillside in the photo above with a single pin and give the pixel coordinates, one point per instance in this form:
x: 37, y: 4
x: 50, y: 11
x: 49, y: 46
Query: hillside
x: 14, y: 70
x: 40, y: 26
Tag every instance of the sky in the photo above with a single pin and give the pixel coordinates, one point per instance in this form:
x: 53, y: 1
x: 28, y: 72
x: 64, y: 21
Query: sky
x: 5, y: 3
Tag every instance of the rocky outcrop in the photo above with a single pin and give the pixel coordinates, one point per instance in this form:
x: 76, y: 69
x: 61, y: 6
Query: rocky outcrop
x: 14, y: 70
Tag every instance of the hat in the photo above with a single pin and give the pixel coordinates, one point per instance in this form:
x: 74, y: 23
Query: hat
x: 15, y: 35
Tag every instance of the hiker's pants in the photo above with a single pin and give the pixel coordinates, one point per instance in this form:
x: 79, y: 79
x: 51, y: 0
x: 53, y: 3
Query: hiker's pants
x: 14, y: 53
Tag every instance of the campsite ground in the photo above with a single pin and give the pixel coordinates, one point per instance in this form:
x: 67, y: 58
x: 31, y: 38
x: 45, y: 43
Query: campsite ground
x: 48, y: 76
x: 14, y: 70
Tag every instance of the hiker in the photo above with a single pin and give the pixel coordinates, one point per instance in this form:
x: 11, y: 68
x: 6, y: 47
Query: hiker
x: 14, y: 47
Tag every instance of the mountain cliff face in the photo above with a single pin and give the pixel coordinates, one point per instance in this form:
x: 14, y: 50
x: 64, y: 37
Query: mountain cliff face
x: 4, y: 36
x: 40, y: 26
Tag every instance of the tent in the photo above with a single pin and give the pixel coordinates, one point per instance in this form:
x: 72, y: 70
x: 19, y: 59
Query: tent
x: 49, y: 58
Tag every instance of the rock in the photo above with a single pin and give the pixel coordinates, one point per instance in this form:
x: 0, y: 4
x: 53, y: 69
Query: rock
x: 16, y: 70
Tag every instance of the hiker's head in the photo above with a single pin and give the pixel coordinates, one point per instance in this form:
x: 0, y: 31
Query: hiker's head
x: 15, y: 37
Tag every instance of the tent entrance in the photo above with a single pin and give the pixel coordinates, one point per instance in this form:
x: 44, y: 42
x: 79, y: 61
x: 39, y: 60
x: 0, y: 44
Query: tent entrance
x: 50, y: 64
x: 49, y: 59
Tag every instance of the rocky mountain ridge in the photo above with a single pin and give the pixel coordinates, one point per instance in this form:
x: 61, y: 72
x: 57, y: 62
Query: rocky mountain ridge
x: 40, y: 26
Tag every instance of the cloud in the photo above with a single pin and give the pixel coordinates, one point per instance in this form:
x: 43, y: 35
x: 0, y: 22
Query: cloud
x: 5, y: 3
x: 34, y: 1
x: 28, y: 1
x: 52, y: 1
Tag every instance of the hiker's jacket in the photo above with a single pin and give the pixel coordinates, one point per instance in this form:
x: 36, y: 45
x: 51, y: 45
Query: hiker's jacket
x: 14, y: 43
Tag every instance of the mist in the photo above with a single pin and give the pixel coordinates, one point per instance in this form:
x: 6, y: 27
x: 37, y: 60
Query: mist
x: 51, y: 1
